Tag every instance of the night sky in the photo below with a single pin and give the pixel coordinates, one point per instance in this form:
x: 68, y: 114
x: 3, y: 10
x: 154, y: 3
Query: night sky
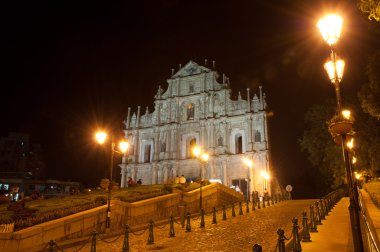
x: 69, y: 67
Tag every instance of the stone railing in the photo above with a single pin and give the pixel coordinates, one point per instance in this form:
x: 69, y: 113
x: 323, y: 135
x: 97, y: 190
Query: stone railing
x: 82, y: 224
x: 7, y: 228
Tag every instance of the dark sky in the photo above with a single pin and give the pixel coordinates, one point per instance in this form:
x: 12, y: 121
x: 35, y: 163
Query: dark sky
x: 68, y: 67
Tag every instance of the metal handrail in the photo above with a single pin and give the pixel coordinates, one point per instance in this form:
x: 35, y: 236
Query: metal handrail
x: 370, y: 239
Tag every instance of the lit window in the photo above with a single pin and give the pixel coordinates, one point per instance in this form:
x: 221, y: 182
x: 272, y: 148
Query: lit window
x: 190, y: 112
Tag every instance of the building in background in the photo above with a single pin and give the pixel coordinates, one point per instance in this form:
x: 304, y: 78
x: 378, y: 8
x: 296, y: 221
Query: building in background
x: 19, y: 157
x: 197, y: 110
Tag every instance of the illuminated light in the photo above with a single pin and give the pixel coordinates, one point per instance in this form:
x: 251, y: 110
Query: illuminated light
x: 123, y: 146
x: 101, y: 137
x: 197, y: 151
x: 248, y: 162
x: 205, y: 157
x: 358, y: 175
x: 330, y: 27
x: 346, y: 114
x: 350, y: 144
x: 215, y: 181
x: 265, y: 175
x: 335, y: 70
x: 354, y: 160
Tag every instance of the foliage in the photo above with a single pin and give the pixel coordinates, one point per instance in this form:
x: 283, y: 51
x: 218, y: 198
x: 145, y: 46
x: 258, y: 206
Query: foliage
x: 4, y: 199
x: 104, y: 183
x: 101, y: 199
x: 369, y: 94
x: 326, y: 157
x: 370, y: 7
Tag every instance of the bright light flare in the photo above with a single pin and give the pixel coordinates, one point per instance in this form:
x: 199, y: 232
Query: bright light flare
x: 265, y: 175
x: 350, y: 144
x: 101, y: 137
x: 335, y: 70
x: 205, y: 157
x: 354, y: 160
x: 248, y: 162
x: 346, y: 114
x: 330, y: 27
x: 358, y: 175
x: 123, y: 146
x: 197, y: 151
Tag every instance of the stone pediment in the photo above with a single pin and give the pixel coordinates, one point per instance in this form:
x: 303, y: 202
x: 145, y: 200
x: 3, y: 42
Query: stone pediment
x: 191, y: 68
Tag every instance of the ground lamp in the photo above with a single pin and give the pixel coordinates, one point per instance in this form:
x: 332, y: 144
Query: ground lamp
x: 203, y: 157
x: 340, y: 125
x: 248, y: 162
x: 101, y: 138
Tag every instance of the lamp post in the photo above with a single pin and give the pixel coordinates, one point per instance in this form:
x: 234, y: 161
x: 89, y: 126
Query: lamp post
x: 101, y: 137
x: 248, y: 162
x: 203, y: 158
x: 266, y: 177
x: 330, y: 27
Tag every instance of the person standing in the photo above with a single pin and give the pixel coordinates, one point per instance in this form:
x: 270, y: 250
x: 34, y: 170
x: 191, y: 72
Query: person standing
x: 176, y: 181
x: 182, y: 179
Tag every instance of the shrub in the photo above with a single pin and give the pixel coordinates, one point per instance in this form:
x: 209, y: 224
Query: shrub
x: 168, y: 188
x: 101, y: 199
x: 4, y: 199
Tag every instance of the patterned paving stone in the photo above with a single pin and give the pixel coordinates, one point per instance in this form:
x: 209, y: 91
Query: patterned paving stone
x: 239, y: 233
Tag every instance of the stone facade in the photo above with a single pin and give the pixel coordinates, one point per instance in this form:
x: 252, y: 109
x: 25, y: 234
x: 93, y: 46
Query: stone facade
x: 197, y: 110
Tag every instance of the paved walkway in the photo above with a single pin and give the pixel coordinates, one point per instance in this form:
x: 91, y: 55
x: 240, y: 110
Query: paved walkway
x: 335, y: 232
x: 234, y: 234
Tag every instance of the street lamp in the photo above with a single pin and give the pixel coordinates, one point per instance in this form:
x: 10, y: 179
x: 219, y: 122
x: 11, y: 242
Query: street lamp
x: 101, y: 137
x: 330, y: 27
x: 203, y: 157
x: 266, y: 177
x: 248, y: 162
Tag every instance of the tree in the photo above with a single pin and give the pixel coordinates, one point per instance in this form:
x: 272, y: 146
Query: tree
x: 369, y: 94
x: 371, y: 8
x: 104, y: 183
x: 326, y: 157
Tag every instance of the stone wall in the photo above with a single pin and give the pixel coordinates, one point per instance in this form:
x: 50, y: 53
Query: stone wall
x: 35, y: 238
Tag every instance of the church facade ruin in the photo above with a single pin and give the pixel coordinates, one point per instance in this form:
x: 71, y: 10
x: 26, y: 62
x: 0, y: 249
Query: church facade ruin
x: 196, y: 110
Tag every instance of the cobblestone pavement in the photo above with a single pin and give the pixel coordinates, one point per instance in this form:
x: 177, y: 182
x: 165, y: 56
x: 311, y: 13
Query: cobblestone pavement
x: 236, y: 233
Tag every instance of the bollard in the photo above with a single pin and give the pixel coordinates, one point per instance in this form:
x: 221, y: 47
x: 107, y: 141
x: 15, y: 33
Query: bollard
x: 171, y: 230
x: 271, y: 199
x: 126, y: 239
x: 322, y: 210
x: 313, y: 225
x: 257, y: 248
x: 318, y: 220
x: 150, y: 236
x: 202, y: 224
x: 296, y: 238
x: 188, y: 226
x: 224, y: 213
x: 247, y: 207
x: 93, y: 241
x: 51, y: 245
x: 258, y: 203
x: 281, y: 240
x: 240, y: 208
x: 305, y: 230
x: 326, y: 206
x: 253, y: 205
x: 263, y: 202
x: 214, y: 216
x: 233, y: 210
